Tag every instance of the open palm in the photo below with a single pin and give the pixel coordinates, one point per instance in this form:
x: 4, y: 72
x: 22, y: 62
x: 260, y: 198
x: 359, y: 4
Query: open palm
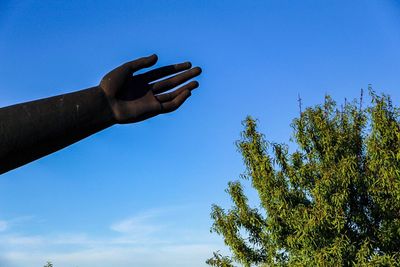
x: 135, y: 98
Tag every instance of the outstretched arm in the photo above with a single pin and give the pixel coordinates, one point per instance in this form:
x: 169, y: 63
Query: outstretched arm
x: 31, y: 130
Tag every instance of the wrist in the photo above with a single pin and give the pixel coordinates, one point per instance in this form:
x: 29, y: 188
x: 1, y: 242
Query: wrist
x: 103, y: 115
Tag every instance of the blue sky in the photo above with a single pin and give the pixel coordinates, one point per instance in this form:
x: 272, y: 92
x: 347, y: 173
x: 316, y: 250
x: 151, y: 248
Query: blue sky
x: 140, y: 195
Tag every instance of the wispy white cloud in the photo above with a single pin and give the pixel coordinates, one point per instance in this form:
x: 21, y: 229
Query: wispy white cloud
x: 5, y: 225
x: 139, y: 225
x: 21, y: 240
x: 144, y: 239
x: 172, y: 255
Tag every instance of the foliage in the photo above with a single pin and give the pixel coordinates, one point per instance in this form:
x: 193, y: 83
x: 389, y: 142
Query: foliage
x: 334, y: 201
x: 48, y: 264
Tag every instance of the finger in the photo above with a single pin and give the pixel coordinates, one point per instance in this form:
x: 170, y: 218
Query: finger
x: 167, y: 84
x: 164, y: 71
x: 175, y: 103
x: 140, y: 63
x: 170, y: 96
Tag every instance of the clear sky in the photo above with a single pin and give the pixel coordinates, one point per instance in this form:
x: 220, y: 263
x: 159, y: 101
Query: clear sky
x: 140, y: 195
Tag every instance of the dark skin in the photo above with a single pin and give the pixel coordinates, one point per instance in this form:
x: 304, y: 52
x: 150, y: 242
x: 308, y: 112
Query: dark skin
x: 32, y: 130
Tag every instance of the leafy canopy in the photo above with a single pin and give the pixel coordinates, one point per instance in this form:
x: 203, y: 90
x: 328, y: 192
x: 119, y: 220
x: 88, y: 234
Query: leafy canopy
x: 335, y: 201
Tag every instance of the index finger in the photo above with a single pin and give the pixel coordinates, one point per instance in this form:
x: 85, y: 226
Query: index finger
x: 140, y: 63
x: 162, y: 72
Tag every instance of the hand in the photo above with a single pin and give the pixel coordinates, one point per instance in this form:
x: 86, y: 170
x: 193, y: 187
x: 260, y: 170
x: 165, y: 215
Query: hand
x: 138, y: 97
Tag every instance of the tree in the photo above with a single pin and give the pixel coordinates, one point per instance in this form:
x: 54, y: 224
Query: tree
x: 334, y: 201
x: 48, y: 264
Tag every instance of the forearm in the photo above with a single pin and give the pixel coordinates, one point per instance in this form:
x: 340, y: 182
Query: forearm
x: 31, y: 130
